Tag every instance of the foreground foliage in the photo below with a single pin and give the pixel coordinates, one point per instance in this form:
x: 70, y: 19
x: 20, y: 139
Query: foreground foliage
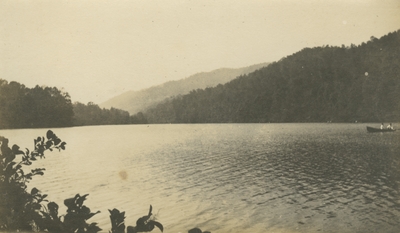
x: 25, y: 210
x: 143, y: 224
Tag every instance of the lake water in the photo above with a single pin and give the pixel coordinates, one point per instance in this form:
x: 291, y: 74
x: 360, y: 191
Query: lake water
x: 229, y: 177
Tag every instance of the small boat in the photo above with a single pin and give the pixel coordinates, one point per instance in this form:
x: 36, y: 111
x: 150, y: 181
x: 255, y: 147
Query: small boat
x: 377, y: 130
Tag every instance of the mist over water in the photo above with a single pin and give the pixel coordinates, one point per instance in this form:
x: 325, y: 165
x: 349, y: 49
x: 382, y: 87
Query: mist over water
x: 229, y: 177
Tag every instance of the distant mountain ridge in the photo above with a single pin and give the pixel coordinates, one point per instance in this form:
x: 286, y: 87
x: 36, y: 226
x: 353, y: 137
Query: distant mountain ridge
x: 321, y: 84
x: 137, y: 101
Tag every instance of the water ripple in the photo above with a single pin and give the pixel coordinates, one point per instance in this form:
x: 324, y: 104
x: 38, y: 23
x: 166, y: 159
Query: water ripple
x: 234, y: 178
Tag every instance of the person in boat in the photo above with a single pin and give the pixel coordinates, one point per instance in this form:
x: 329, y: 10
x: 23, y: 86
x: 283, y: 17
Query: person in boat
x: 390, y: 126
x: 382, y: 126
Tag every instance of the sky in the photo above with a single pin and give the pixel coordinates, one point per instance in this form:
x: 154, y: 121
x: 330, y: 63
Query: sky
x: 98, y: 49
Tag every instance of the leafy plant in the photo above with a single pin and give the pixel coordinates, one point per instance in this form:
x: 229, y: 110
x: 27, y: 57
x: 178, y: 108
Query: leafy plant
x: 117, y: 221
x: 144, y: 224
x: 23, y: 210
x: 18, y: 206
x: 74, y: 220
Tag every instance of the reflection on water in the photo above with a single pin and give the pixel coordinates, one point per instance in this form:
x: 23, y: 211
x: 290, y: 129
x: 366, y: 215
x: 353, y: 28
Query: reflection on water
x: 230, y: 177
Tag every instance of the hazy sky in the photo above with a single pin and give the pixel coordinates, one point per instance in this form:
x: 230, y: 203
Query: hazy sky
x: 97, y: 49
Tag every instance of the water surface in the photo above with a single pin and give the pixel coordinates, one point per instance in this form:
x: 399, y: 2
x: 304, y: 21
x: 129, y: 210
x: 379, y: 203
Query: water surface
x: 229, y: 177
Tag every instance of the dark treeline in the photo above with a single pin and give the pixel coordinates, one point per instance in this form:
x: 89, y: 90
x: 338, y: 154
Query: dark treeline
x: 46, y: 107
x: 339, y: 84
x: 92, y: 114
x: 38, y: 107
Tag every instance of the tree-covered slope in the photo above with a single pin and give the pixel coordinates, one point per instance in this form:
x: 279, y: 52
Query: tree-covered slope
x: 47, y: 107
x: 38, y: 107
x: 136, y: 101
x: 339, y: 84
x: 92, y: 114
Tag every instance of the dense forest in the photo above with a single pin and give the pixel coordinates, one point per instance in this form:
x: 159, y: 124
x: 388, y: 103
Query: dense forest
x: 38, y: 107
x: 46, y: 107
x: 339, y: 84
x: 92, y: 114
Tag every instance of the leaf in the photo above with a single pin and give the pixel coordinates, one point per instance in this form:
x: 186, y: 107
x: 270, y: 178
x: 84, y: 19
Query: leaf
x: 93, y: 228
x: 91, y: 215
x: 49, y: 134
x: 141, y: 222
x: 38, y: 171
x: 69, y: 203
x: 52, y: 206
x: 49, y: 144
x: 57, y: 141
x: 85, y: 210
x: 15, y: 149
x: 159, y: 225
x: 62, y: 146
x: 81, y: 199
x: 34, y: 191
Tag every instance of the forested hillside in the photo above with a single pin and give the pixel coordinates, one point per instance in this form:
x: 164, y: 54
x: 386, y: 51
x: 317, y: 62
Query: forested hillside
x: 48, y: 107
x: 38, y: 107
x: 136, y: 101
x: 92, y: 114
x: 339, y: 84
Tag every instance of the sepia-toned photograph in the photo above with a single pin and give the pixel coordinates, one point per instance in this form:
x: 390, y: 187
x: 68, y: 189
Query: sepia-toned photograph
x: 200, y: 116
